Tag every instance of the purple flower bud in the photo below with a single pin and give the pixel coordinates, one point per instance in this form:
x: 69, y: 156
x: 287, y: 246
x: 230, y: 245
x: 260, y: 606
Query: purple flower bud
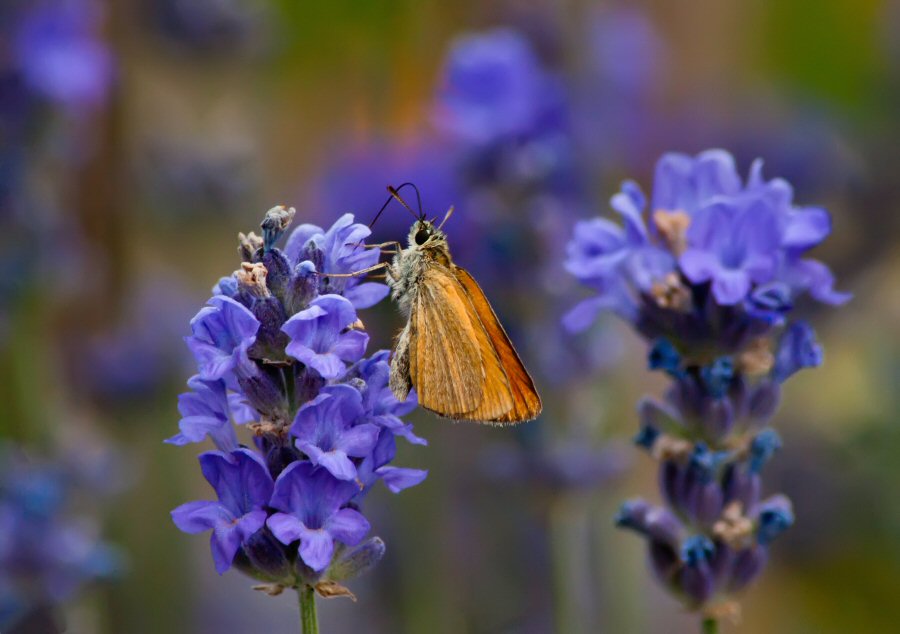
x: 664, y: 356
x: 764, y: 401
x: 275, y: 223
x: 263, y: 391
x: 717, y: 376
x: 797, y: 349
x: 633, y: 514
x: 763, y: 447
x: 747, y: 565
x: 775, y: 516
x: 303, y: 288
x: 717, y: 419
x: 279, y: 271
x: 264, y: 557
x: 697, y: 580
x: 352, y: 562
x: 742, y: 485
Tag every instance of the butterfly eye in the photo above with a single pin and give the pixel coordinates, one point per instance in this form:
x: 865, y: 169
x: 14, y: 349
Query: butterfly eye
x: 422, y: 235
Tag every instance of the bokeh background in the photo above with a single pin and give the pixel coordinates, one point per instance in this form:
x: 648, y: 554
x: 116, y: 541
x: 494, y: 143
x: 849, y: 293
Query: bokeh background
x: 137, y: 137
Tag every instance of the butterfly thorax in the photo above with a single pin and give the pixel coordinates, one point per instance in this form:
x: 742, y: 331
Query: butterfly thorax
x: 427, y: 246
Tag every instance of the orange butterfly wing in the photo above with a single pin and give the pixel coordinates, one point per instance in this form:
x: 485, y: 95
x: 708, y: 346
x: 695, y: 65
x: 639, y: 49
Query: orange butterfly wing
x: 445, y: 365
x: 526, y: 404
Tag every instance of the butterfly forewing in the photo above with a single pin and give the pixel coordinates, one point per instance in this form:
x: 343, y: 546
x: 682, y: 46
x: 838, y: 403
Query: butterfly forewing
x: 526, y: 404
x: 446, y: 366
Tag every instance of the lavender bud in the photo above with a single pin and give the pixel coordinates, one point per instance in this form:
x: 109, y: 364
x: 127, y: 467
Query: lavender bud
x: 747, y: 565
x: 633, y: 515
x: 775, y: 517
x: 248, y: 246
x: 717, y: 418
x: 664, y: 356
x: 763, y: 447
x: 226, y: 286
x: 279, y: 271
x: 352, y: 562
x: 303, y: 287
x: 717, y: 376
x: 764, y: 400
x: 264, y: 393
x: 696, y: 577
x: 263, y: 557
x: 663, y: 561
x: 270, y: 340
x: 275, y: 223
x: 742, y: 485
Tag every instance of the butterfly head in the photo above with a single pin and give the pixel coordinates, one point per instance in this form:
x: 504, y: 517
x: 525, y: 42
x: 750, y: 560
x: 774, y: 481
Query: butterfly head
x: 425, y: 234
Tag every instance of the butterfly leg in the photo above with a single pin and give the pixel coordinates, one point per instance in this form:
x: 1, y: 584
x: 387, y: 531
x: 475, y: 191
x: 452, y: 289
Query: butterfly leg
x: 376, y: 267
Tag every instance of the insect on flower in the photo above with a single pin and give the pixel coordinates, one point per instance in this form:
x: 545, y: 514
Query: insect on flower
x: 453, y: 349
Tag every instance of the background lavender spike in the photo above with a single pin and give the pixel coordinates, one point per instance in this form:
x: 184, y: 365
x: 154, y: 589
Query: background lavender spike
x: 687, y: 273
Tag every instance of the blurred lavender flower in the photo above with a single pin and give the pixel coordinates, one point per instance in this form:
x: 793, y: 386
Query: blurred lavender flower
x: 709, y: 279
x: 56, y: 49
x: 280, y: 350
x: 48, y: 552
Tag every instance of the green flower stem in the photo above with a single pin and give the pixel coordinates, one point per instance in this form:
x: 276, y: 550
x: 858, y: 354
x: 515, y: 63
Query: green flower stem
x: 308, y: 619
x: 710, y: 626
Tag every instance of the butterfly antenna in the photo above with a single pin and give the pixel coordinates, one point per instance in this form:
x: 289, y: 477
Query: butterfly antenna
x: 395, y: 192
x: 446, y: 218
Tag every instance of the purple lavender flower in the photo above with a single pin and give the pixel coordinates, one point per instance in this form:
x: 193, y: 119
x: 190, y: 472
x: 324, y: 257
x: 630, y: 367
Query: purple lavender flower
x: 337, y: 251
x: 283, y: 360
x: 321, y: 336
x: 205, y: 412
x: 244, y: 486
x: 329, y: 432
x: 710, y: 281
x: 222, y: 334
x: 310, y: 499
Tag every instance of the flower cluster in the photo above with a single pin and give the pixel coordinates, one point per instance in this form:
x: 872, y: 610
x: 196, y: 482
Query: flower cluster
x: 48, y: 552
x: 280, y: 351
x: 709, y: 277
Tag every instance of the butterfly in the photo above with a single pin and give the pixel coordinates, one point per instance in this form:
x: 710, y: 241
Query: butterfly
x: 453, y: 349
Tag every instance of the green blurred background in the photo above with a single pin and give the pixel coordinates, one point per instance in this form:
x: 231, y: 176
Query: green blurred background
x: 201, y: 134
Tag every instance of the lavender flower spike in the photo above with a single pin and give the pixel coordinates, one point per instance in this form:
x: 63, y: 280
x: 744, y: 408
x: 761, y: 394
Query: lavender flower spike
x: 280, y: 355
x: 709, y: 276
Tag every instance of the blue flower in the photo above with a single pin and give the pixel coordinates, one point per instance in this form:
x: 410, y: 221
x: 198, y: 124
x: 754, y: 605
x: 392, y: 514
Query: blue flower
x: 320, y: 337
x: 311, y: 501
x: 337, y: 251
x: 223, y: 331
x: 205, y: 412
x: 244, y: 486
x: 329, y: 432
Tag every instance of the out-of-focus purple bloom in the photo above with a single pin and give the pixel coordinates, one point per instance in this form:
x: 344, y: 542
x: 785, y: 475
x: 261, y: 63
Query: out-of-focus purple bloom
x: 711, y: 283
x: 310, y: 499
x: 321, y: 336
x: 281, y: 359
x: 329, y: 432
x: 59, y: 54
x: 48, y: 550
x: 244, y: 486
x: 493, y: 87
x: 223, y: 331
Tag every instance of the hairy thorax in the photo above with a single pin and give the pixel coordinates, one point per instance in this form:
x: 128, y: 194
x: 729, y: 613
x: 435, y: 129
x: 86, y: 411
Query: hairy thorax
x: 405, y: 271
